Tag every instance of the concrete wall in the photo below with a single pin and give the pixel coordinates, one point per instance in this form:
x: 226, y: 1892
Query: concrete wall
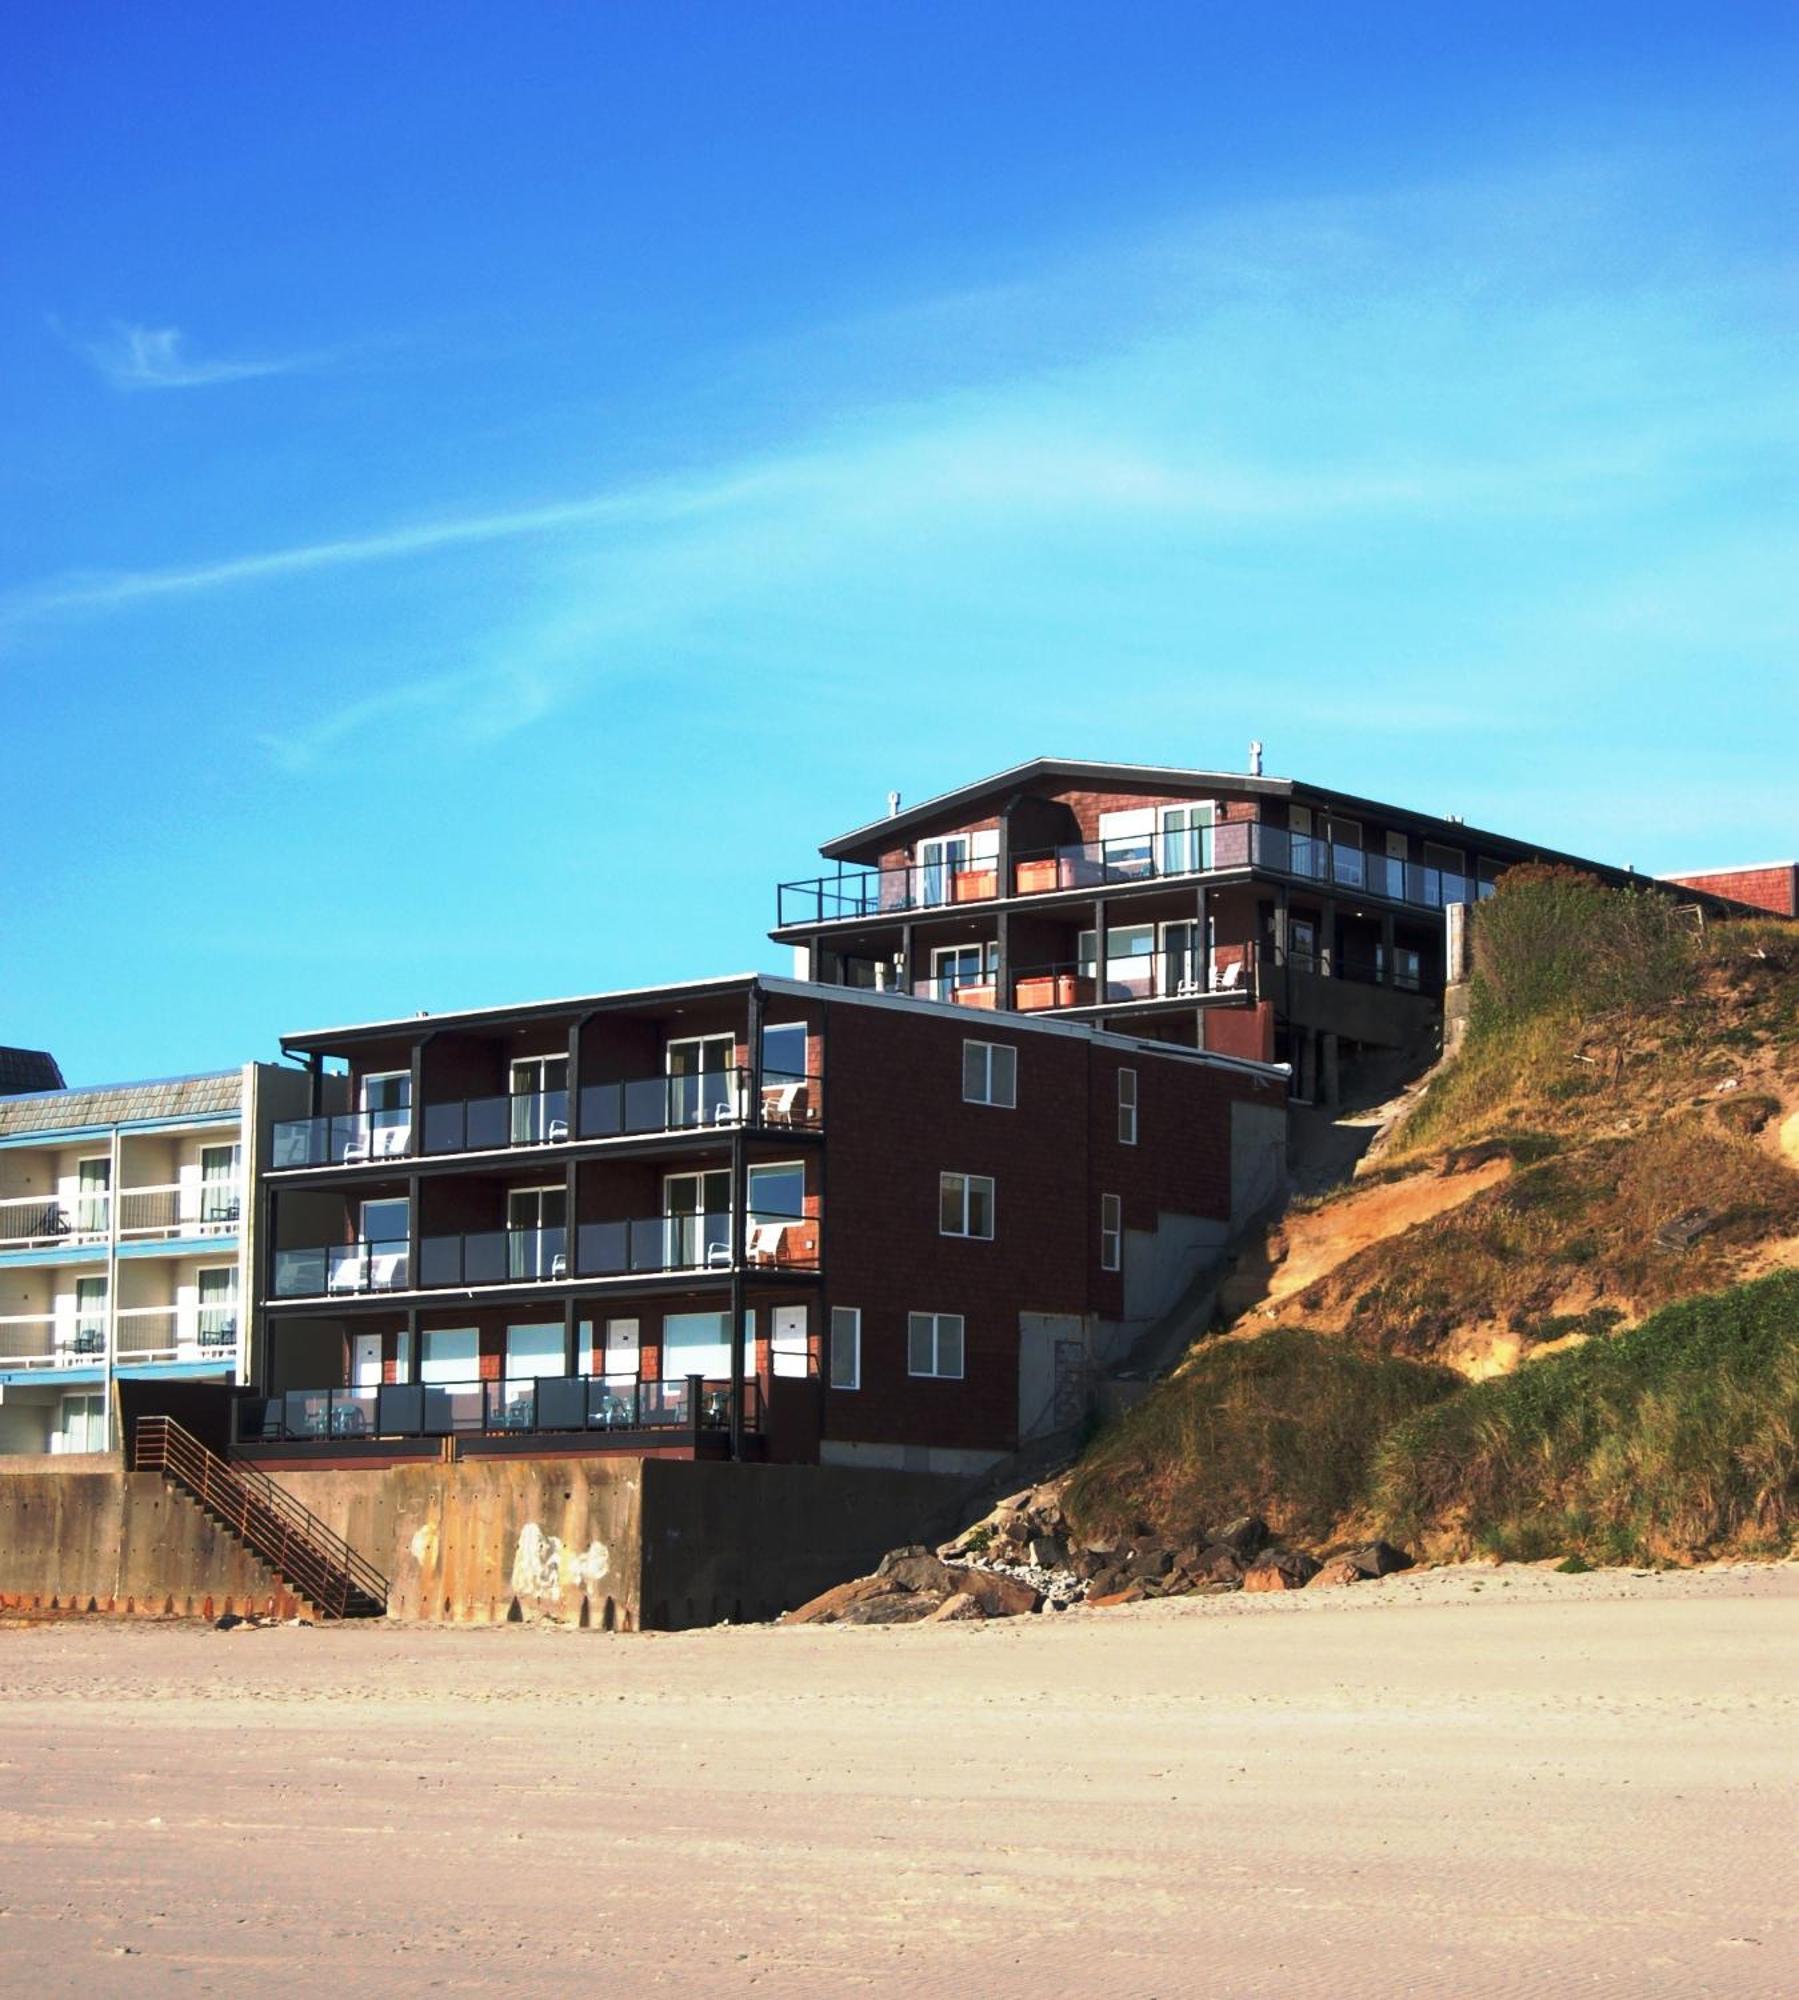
x: 750, y: 1541
x: 119, y: 1541
x: 610, y: 1544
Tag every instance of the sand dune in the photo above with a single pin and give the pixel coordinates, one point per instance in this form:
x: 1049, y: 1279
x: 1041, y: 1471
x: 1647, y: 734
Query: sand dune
x: 1466, y: 1782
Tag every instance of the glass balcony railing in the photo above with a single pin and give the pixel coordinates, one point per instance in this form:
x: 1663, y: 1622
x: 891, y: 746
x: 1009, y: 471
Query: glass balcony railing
x: 635, y: 1107
x: 619, y: 1404
x: 1148, y: 857
x: 614, y: 1249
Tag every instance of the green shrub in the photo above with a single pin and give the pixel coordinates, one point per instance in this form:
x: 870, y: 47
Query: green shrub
x: 1281, y: 1426
x: 1677, y: 1440
x: 1555, y: 940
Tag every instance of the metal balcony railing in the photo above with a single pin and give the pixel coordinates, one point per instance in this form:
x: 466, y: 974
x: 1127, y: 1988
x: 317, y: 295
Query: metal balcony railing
x: 54, y: 1221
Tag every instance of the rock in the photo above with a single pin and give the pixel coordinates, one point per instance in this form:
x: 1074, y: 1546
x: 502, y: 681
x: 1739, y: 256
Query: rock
x: 1012, y: 1528
x: 904, y: 1607
x: 1380, y: 1559
x: 1246, y: 1537
x: 1133, y: 1593
x: 832, y: 1607
x: 1340, y: 1569
x: 1279, y: 1569
x: 916, y: 1569
x: 1149, y: 1562
x: 959, y: 1605
x: 1109, y: 1576
x: 1219, y: 1564
x: 1047, y: 1551
x: 998, y: 1596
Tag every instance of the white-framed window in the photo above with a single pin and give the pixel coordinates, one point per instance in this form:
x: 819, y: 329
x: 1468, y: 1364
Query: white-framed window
x: 1111, y: 1232
x: 220, y: 1202
x: 387, y: 1112
x: 1127, y: 842
x: 534, y: 1349
x: 990, y: 1074
x: 90, y: 1315
x: 934, y: 1343
x: 846, y: 1347
x: 216, y: 1294
x: 1186, y: 842
x: 539, y: 1093
x: 1127, y: 1107
x: 965, y: 1205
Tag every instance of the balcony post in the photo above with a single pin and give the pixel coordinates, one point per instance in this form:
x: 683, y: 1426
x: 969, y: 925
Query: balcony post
x: 415, y: 1360
x: 415, y: 1111
x: 571, y: 1334
x: 1327, y: 937
x: 1387, y: 930
x: 739, y: 1253
x: 1102, y: 952
x: 1202, y: 923
x: 576, y: 1031
x: 315, y: 1085
x: 113, y: 1201
x: 907, y: 982
x: 1002, y: 967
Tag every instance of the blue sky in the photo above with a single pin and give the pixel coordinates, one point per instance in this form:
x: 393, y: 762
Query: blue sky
x: 485, y: 492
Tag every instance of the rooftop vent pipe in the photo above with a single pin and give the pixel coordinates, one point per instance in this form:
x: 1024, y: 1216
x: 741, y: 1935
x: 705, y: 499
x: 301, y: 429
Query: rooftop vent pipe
x: 893, y: 804
x: 1255, y: 758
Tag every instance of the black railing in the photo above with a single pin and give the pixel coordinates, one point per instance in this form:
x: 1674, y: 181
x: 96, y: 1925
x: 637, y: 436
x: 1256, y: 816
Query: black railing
x: 873, y: 892
x: 545, y: 1403
x: 723, y: 1097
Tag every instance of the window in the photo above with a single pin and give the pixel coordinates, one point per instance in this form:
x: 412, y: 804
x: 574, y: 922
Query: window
x: 956, y: 966
x: 700, y: 1344
x: 387, y: 1112
x: 846, y: 1347
x: 697, y: 1208
x: 1130, y: 960
x: 90, y: 1315
x: 93, y: 1182
x: 386, y: 1221
x: 1186, y: 838
x: 964, y: 1205
x: 784, y: 1052
x: 702, y: 1080
x: 449, y: 1354
x: 934, y: 1345
x: 1302, y: 943
x: 539, y: 1100
x: 217, y: 1288
x: 1127, y: 1107
x: 534, y: 1350
x: 219, y: 1201
x: 990, y: 1074
x: 1111, y: 1232
x: 1127, y: 843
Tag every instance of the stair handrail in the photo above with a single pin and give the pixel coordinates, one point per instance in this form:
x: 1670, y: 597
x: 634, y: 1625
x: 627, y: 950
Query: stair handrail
x: 324, y: 1565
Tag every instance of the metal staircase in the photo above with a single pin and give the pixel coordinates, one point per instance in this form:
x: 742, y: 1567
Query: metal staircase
x: 310, y: 1559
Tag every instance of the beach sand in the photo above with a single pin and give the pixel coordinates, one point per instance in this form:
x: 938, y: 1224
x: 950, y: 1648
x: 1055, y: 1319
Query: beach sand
x: 1468, y: 1781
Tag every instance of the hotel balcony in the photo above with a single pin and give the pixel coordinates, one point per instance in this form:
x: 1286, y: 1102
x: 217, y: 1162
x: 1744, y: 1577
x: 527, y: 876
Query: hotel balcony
x: 601, y: 1410
x: 642, y: 1107
x: 143, y: 1336
x: 1233, y: 847
x: 526, y: 1258
x: 187, y: 1211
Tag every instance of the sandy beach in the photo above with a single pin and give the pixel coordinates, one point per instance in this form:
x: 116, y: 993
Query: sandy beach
x: 1473, y: 1781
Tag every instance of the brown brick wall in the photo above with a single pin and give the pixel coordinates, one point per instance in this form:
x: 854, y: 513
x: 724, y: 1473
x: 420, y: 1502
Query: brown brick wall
x: 1775, y: 888
x: 898, y: 1121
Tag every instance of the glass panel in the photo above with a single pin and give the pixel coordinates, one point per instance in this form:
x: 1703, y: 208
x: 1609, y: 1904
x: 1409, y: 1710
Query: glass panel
x: 980, y: 1206
x: 386, y: 1221
x: 695, y: 1344
x: 775, y: 1191
x: 921, y: 1344
x: 448, y: 1354
x: 949, y: 1344
x: 846, y: 1347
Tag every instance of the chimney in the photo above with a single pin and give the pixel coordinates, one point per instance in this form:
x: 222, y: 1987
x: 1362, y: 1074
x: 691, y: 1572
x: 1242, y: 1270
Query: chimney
x: 1255, y: 758
x: 893, y: 805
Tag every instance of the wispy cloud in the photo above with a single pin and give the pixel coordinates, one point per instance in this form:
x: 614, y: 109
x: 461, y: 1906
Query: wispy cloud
x: 158, y: 357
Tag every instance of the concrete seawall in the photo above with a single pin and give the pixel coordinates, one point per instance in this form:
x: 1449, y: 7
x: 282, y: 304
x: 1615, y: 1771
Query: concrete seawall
x: 614, y: 1544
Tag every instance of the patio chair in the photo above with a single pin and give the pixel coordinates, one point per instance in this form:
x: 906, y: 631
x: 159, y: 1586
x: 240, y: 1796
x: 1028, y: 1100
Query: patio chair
x: 781, y: 1103
x: 765, y: 1242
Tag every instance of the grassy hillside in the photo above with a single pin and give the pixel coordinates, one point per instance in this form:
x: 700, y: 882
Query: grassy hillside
x: 1285, y: 1427
x: 1677, y: 1440
x: 1639, y: 1081
x: 1646, y: 1137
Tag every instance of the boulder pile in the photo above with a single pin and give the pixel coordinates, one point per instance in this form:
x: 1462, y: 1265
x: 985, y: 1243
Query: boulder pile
x: 1024, y: 1556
